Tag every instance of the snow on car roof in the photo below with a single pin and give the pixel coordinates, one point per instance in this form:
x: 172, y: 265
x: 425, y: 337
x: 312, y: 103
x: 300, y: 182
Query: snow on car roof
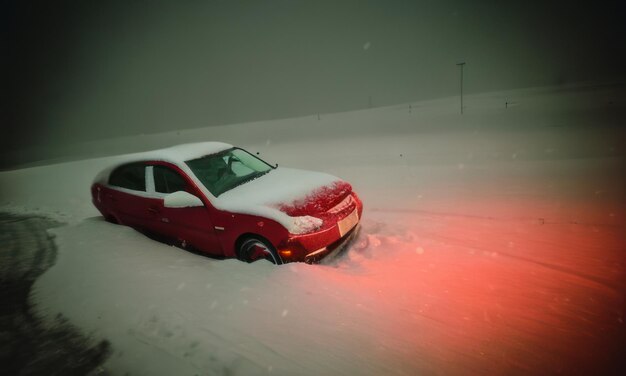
x: 181, y: 153
x: 177, y: 154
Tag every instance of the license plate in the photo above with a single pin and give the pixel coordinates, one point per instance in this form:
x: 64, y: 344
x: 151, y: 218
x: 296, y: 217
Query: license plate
x: 346, y: 224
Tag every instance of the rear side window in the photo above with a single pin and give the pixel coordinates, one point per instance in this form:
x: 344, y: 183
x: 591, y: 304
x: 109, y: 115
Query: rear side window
x: 130, y: 176
x: 167, y: 180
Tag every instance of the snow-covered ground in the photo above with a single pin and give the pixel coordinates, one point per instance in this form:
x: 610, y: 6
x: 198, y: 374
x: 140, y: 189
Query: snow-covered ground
x: 491, y: 242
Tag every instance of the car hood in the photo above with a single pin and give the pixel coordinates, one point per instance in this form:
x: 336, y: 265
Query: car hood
x: 283, y: 193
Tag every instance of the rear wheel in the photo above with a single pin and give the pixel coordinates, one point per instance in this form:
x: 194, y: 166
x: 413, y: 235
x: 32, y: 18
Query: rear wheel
x: 253, y: 249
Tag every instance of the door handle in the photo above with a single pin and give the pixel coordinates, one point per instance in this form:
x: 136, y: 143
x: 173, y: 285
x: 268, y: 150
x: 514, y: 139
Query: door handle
x: 154, y: 210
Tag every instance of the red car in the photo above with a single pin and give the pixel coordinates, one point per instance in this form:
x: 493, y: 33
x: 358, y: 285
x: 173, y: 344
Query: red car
x: 225, y: 201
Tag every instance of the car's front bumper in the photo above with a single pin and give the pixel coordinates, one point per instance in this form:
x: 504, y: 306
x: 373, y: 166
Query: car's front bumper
x: 333, y: 250
x: 313, y: 247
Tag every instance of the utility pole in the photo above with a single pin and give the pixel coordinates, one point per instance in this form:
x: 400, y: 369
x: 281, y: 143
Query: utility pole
x: 461, y: 65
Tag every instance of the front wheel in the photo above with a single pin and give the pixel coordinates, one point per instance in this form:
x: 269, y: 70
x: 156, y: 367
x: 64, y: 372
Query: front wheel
x: 253, y: 249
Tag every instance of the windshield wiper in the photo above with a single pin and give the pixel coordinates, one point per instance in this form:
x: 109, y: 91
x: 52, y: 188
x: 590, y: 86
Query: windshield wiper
x: 254, y: 177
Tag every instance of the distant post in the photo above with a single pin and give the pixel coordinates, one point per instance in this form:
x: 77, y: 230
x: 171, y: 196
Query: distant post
x: 461, y: 65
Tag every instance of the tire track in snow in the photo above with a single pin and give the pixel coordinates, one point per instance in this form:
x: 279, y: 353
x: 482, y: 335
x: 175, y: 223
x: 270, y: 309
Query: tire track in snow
x: 28, y: 344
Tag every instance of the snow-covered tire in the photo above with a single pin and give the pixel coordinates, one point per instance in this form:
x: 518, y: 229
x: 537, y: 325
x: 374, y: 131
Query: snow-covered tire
x: 252, y: 249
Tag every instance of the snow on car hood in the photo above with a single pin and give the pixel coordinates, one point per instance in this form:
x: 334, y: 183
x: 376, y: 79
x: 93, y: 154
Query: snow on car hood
x: 289, y: 196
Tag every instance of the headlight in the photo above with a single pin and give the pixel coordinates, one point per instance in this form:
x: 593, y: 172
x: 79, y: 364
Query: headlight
x: 305, y: 224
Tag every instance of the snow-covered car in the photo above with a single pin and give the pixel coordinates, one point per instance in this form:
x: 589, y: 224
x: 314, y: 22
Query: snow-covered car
x: 225, y: 201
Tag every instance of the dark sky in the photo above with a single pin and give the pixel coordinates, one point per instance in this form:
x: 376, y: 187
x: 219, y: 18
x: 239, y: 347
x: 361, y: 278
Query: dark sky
x: 92, y: 69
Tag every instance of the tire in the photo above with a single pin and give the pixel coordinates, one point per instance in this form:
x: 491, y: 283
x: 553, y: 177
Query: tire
x: 253, y: 249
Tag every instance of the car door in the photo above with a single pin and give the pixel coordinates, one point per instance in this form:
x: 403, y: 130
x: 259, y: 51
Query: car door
x: 191, y: 224
x: 126, y: 195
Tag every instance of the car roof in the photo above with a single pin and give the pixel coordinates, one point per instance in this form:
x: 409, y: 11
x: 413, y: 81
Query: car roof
x: 177, y: 155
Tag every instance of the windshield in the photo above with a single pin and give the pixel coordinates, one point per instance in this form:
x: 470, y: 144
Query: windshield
x: 224, y: 171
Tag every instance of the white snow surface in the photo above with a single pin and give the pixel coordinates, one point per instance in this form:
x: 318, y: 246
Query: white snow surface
x: 491, y: 242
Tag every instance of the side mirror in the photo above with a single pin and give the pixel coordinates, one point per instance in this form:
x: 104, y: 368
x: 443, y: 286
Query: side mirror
x: 181, y: 199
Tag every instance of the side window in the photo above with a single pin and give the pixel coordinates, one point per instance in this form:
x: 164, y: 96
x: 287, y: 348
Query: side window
x: 167, y: 180
x: 130, y: 176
